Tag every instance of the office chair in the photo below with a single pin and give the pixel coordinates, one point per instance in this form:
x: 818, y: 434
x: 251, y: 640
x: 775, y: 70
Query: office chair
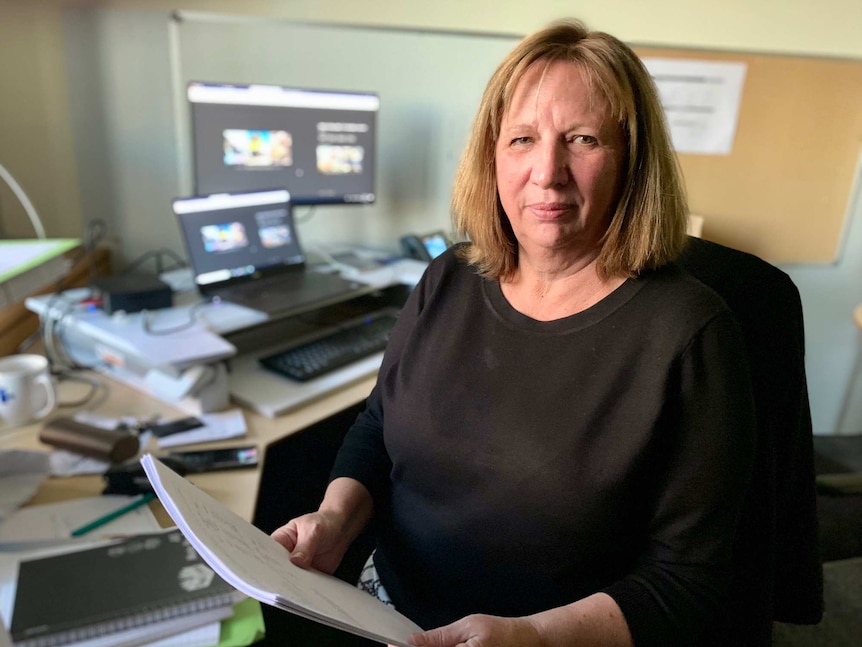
x: 854, y: 376
x: 778, y: 575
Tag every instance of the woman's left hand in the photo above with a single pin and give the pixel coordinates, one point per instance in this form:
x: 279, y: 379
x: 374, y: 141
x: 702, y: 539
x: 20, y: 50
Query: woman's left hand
x: 481, y: 631
x: 593, y: 620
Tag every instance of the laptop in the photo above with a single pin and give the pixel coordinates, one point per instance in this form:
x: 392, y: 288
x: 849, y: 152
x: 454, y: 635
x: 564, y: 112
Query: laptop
x: 243, y: 248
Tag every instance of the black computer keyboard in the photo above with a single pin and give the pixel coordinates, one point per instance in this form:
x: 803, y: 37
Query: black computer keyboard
x: 343, y: 346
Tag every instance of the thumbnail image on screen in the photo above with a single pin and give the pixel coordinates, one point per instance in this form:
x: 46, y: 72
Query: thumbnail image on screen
x: 224, y: 237
x: 274, y: 236
x: 339, y: 160
x: 272, y: 229
x: 229, y: 236
x: 319, y: 145
x: 251, y: 149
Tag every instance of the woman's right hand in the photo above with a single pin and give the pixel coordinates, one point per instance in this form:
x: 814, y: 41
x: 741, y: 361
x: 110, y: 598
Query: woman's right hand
x: 320, y: 539
x: 314, y: 540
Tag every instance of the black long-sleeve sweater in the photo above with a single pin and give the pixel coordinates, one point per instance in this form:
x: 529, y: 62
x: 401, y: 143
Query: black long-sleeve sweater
x: 520, y: 465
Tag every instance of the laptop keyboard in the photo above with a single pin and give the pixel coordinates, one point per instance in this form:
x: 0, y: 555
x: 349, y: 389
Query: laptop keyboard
x: 339, y: 348
x: 286, y: 292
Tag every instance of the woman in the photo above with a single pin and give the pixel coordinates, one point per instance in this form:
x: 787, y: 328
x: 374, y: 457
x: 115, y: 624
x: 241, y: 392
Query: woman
x: 560, y: 438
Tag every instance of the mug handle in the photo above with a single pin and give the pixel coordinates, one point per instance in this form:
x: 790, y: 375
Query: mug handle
x: 51, y: 396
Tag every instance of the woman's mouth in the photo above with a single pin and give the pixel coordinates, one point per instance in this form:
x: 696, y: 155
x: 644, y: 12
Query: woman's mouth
x: 550, y: 210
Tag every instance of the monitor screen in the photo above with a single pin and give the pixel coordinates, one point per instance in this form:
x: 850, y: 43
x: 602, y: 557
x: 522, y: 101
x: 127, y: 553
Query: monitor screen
x: 233, y: 235
x: 319, y: 145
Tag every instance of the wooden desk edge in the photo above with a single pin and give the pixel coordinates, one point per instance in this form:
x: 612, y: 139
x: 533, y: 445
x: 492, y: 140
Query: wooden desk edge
x: 236, y: 489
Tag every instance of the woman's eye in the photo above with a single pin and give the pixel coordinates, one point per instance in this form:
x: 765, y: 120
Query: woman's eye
x: 521, y: 140
x: 585, y: 140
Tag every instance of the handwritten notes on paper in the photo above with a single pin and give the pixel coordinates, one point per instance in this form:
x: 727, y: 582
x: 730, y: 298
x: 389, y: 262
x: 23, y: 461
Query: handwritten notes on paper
x: 254, y: 563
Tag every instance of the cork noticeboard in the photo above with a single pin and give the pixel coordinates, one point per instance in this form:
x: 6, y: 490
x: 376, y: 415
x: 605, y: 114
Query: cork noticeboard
x: 784, y: 190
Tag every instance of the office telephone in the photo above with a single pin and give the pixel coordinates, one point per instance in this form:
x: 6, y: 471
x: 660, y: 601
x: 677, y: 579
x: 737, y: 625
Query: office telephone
x: 424, y: 247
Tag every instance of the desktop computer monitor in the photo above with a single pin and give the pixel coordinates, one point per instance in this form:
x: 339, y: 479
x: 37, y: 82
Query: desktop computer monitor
x: 317, y: 144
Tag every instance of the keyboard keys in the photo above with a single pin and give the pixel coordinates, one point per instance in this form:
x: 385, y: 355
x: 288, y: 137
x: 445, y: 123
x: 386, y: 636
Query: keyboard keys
x: 343, y: 346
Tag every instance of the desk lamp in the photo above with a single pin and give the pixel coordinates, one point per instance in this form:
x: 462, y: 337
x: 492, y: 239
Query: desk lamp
x: 24, y: 200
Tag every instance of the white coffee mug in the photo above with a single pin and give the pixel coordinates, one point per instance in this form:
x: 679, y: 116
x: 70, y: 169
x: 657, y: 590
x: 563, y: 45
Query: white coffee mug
x: 26, y: 389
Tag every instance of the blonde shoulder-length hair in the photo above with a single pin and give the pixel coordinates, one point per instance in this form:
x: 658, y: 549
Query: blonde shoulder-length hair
x: 648, y: 226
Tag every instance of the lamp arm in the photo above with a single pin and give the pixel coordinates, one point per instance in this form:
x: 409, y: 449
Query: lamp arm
x: 24, y: 200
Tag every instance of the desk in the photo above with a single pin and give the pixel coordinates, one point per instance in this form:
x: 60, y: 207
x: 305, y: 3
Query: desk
x: 236, y: 489
x: 130, y: 352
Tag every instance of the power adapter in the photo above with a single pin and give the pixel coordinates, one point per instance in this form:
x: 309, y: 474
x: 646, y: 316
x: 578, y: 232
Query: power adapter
x: 132, y: 293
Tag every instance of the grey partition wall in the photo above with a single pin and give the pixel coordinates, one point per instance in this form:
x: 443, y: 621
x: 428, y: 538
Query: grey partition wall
x: 128, y: 71
x: 429, y: 84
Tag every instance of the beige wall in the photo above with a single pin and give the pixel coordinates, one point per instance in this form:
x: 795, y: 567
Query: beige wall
x: 799, y: 26
x: 36, y: 133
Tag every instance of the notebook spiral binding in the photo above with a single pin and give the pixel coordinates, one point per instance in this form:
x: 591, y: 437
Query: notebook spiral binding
x: 114, y: 625
x: 129, y: 586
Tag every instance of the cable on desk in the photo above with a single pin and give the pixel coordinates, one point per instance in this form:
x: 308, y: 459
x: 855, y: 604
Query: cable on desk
x: 157, y: 254
x: 29, y: 340
x: 193, y: 319
x: 63, y: 366
x: 308, y: 215
x: 97, y: 387
x: 53, y: 329
x: 48, y: 328
x: 94, y: 232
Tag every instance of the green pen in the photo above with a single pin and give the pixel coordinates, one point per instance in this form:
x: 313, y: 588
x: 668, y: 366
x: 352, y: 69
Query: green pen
x: 101, y: 521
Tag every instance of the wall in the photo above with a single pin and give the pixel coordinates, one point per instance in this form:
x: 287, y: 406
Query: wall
x: 37, y: 133
x: 425, y: 115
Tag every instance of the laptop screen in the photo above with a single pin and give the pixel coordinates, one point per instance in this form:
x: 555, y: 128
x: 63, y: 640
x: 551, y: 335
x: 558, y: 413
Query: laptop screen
x: 231, y: 237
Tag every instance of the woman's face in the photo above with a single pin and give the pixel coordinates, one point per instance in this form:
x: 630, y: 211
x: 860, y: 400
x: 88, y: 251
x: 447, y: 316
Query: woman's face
x: 558, y: 159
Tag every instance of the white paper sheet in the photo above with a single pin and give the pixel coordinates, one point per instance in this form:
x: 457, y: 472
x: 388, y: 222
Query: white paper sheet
x: 217, y: 426
x: 21, y: 474
x: 56, y: 521
x: 205, y: 636
x: 184, y: 631
x: 25, y: 253
x: 190, y: 345
x: 701, y: 101
x: 66, y: 463
x: 254, y: 563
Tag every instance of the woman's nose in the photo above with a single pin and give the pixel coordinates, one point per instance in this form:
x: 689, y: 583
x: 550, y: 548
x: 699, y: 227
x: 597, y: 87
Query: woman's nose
x: 549, y: 166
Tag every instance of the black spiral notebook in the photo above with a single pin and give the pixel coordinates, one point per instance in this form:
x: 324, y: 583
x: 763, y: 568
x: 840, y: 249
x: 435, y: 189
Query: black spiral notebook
x: 112, y: 588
